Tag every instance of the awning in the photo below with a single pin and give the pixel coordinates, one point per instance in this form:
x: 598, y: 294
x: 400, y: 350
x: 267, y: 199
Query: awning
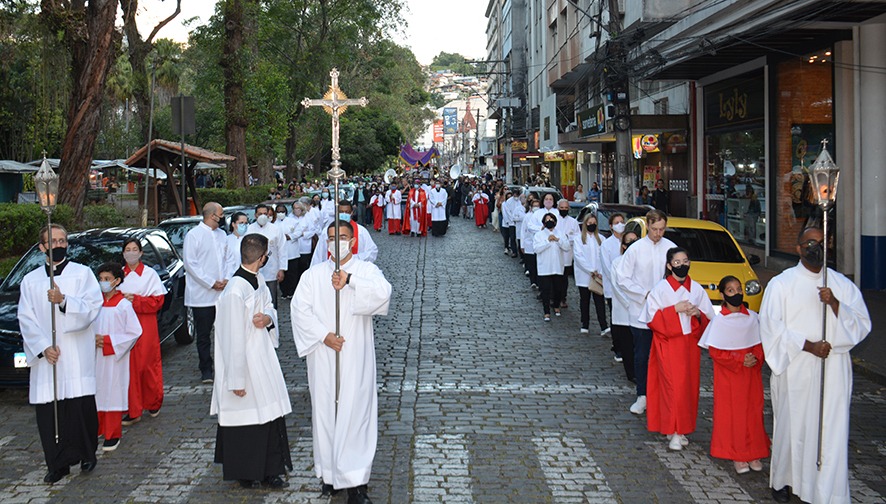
x: 9, y: 166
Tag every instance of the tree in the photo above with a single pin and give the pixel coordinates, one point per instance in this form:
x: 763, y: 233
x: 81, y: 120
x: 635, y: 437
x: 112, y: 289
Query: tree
x: 452, y: 61
x: 88, y: 34
x: 238, y: 46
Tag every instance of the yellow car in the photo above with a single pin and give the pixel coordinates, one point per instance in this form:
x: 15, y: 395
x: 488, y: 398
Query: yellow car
x: 714, y: 254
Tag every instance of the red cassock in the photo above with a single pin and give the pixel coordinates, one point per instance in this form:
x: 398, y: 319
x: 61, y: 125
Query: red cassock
x: 378, y: 212
x: 673, y: 377
x: 419, y: 213
x: 738, y: 432
x: 481, y: 211
x: 145, y: 364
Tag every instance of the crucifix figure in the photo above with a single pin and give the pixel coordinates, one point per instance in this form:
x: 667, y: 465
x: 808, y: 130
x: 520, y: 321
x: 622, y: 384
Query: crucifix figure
x: 335, y: 103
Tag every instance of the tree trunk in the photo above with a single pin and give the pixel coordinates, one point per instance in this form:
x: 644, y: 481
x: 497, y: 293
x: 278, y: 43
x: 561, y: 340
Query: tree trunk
x: 234, y: 68
x: 92, y: 41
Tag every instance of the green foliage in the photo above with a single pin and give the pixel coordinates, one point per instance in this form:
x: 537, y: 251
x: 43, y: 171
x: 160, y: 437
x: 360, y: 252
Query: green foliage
x: 231, y: 197
x: 454, y: 62
x: 6, y: 265
x: 102, y: 216
x: 21, y: 224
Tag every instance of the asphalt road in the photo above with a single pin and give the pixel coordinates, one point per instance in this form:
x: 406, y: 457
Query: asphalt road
x: 479, y: 401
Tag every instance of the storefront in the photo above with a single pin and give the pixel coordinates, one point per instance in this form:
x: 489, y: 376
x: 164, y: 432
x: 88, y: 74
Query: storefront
x: 663, y: 156
x: 562, y: 171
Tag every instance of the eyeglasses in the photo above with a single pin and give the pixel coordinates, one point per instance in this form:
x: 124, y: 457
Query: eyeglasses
x: 810, y: 243
x: 59, y: 241
x: 680, y: 263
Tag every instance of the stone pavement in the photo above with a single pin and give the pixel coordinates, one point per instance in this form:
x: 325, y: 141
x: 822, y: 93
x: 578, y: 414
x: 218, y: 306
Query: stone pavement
x: 479, y: 401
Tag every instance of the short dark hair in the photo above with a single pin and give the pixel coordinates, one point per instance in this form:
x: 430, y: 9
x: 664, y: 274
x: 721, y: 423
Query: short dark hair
x: 799, y: 235
x: 670, y: 257
x: 111, y: 267
x: 234, y: 218
x: 342, y: 225
x: 345, y: 202
x: 252, y: 247
x: 545, y: 217
x: 262, y: 205
x: 728, y: 279
x: 613, y: 216
x: 135, y: 240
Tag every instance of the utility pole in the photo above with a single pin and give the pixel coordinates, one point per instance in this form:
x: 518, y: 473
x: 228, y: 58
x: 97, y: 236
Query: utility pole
x: 617, y: 87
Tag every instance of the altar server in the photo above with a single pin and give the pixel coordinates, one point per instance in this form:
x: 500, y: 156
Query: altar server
x: 437, y: 198
x: 393, y: 212
x: 364, y: 247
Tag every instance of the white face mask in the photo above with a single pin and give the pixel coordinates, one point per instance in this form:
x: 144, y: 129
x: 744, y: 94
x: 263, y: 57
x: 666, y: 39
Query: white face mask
x: 106, y: 286
x: 619, y: 228
x: 281, y: 215
x: 344, y: 248
x: 132, y: 256
x: 261, y: 220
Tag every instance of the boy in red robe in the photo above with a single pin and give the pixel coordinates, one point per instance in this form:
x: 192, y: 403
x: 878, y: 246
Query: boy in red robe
x: 416, y: 211
x: 733, y: 341
x: 677, y: 311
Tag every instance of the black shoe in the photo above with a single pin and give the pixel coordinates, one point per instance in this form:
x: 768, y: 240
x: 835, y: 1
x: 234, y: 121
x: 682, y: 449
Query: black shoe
x: 358, y: 495
x: 783, y: 495
x: 327, y: 490
x: 249, y: 483
x: 87, y: 467
x: 207, y: 378
x: 128, y: 420
x: 110, y: 444
x: 54, y: 476
x: 275, y: 482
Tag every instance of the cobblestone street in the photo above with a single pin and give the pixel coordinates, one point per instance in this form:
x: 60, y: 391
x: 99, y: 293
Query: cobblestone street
x: 479, y: 401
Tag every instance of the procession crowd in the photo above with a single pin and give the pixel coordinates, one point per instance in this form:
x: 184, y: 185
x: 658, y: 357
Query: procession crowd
x: 659, y: 319
x: 644, y: 299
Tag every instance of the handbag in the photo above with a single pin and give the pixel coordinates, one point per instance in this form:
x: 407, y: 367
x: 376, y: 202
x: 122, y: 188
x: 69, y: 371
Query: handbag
x: 596, y: 284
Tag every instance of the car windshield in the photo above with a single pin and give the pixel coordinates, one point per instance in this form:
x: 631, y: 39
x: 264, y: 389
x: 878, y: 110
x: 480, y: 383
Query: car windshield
x: 91, y: 255
x: 706, y: 245
x: 177, y: 231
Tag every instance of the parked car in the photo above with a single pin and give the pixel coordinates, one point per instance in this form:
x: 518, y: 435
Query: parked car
x: 604, y: 210
x: 714, y: 253
x: 92, y: 248
x: 176, y: 228
x: 229, y: 212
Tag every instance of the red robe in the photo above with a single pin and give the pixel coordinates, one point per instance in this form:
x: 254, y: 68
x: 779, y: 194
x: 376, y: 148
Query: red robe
x: 378, y: 212
x: 420, y: 213
x: 738, y: 432
x: 145, y: 363
x: 481, y: 211
x: 673, y: 377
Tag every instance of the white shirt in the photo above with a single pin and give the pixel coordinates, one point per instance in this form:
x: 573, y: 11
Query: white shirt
x: 610, y: 249
x: 367, y: 250
x: 437, y: 196
x: 570, y: 228
x: 232, y: 255
x: 392, y: 204
x: 642, y: 267
x: 620, y: 302
x: 587, y: 259
x: 277, y: 256
x: 288, y: 224
x: 508, y: 211
x: 548, y: 254
x: 204, y: 253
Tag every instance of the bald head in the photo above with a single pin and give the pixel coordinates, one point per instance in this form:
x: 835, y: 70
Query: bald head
x: 213, y: 214
x: 810, y: 233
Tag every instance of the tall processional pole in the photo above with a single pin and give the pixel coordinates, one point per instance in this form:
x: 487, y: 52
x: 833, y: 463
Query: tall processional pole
x: 335, y: 103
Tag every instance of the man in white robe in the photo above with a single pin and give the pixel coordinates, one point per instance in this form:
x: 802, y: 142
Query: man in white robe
x: 437, y: 206
x: 249, y: 393
x: 365, y: 248
x: 274, y: 270
x: 344, y: 442
x: 76, y: 299
x: 790, y: 327
x: 393, y: 212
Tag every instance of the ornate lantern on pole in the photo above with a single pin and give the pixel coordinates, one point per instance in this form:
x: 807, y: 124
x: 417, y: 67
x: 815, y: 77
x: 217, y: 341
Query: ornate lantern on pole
x: 46, y: 182
x: 824, y: 175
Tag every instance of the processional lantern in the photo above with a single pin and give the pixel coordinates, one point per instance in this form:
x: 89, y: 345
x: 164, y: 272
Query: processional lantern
x: 46, y: 181
x: 824, y: 175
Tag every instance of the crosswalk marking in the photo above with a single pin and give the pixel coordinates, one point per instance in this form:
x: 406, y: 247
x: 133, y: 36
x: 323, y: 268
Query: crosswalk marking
x: 706, y: 482
x: 440, y: 468
x: 178, y: 474
x: 570, y: 470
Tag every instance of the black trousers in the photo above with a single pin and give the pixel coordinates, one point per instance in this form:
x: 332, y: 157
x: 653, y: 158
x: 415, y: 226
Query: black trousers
x: 623, y: 343
x: 642, y: 346
x: 253, y: 452
x: 550, y: 288
x: 584, y: 305
x: 532, y: 266
x: 77, y: 432
x: 600, y: 306
x: 511, y: 243
x: 290, y: 278
x: 204, y: 318
x: 504, y: 235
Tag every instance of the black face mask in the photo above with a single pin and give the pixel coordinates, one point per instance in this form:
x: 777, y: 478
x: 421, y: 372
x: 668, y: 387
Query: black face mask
x: 550, y: 224
x: 265, y: 260
x: 628, y: 244
x: 680, y: 271
x: 814, y: 255
x: 564, y: 213
x: 592, y: 227
x: 59, y: 254
x: 734, y: 300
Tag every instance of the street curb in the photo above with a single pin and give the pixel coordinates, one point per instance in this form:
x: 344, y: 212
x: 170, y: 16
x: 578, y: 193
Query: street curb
x: 873, y: 373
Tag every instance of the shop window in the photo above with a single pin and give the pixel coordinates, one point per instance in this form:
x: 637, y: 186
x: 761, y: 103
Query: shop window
x: 735, y: 185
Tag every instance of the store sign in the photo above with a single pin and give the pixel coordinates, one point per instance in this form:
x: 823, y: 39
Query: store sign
x: 520, y: 145
x: 438, y: 131
x: 591, y: 121
x: 674, y: 143
x: 560, y: 156
x: 649, y: 143
x: 734, y: 102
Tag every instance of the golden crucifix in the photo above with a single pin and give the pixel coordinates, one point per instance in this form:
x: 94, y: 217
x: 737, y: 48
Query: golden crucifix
x: 335, y: 102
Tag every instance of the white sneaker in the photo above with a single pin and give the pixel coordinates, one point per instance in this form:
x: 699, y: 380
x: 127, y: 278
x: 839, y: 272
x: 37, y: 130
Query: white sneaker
x: 526, y: 273
x: 684, y: 440
x: 583, y: 331
x: 639, y: 407
x: 618, y: 359
x: 604, y: 332
x: 675, y: 444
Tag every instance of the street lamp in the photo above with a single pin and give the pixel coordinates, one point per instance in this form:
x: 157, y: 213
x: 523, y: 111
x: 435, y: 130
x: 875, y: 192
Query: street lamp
x: 46, y: 182
x: 824, y: 175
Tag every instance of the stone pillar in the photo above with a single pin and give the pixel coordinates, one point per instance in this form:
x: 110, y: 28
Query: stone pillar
x: 872, y: 97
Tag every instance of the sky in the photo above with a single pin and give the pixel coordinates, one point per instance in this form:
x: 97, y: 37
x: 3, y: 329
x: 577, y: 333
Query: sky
x: 454, y: 26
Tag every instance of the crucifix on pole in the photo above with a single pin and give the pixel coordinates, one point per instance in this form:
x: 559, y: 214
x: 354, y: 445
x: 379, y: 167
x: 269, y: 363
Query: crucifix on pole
x: 335, y: 103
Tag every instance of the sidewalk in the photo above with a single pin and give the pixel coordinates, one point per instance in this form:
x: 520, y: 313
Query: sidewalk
x: 869, y: 357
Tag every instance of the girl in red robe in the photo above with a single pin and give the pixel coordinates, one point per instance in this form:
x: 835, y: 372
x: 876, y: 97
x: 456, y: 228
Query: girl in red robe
x: 677, y: 310
x: 481, y: 208
x: 733, y: 341
x: 378, y: 210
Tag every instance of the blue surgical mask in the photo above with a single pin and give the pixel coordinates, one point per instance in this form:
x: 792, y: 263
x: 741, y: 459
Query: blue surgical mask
x: 241, y: 229
x: 344, y: 216
x: 106, y: 286
x: 325, y: 195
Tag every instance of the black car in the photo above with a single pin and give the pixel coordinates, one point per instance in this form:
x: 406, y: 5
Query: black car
x: 92, y: 248
x: 604, y: 210
x: 176, y: 228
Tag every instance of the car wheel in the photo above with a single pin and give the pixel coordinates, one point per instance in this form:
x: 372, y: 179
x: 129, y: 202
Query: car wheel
x: 184, y: 335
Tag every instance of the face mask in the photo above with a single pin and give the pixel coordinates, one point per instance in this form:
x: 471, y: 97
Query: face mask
x: 59, y: 254
x: 536, y: 207
x: 241, y: 229
x: 344, y: 216
x: 550, y: 224
x: 438, y: 187
x: 281, y: 215
x: 132, y: 257
x: 106, y: 286
x: 814, y: 255
x: 265, y: 260
x: 735, y: 299
x: 628, y: 244
x: 564, y: 213
x: 415, y: 185
x: 619, y: 228
x: 325, y: 195
x: 261, y: 220
x: 548, y: 204
x: 592, y: 227
x: 680, y: 271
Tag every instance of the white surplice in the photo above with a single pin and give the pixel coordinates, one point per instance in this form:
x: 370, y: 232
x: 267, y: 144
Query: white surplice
x: 549, y: 254
x: 664, y: 296
x: 620, y: 303
x: 640, y: 270
x: 436, y: 196
x: 610, y: 249
x: 789, y: 316
x: 570, y: 229
x: 74, y: 336
x: 343, y: 449
x: 121, y: 324
x: 246, y: 359
x: 392, y: 204
x: 587, y: 259
x: 278, y: 256
x: 367, y: 250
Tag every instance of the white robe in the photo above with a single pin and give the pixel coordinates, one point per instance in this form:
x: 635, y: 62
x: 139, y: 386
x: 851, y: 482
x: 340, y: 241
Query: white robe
x: 121, y: 324
x: 327, y: 212
x: 146, y: 284
x: 392, y: 205
x: 664, y: 296
x: 610, y: 249
x: 278, y: 256
x: 74, y: 336
x: 343, y: 449
x: 245, y: 358
x: 570, y: 229
x: 232, y: 255
x: 642, y: 267
x: 436, y: 196
x: 587, y: 259
x: 367, y: 250
x: 789, y: 316
x: 620, y: 303
x: 549, y: 254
